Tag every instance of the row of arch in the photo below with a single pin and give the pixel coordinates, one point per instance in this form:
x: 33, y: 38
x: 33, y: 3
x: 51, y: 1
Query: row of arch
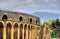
x: 8, y: 30
x: 10, y: 25
x: 20, y: 18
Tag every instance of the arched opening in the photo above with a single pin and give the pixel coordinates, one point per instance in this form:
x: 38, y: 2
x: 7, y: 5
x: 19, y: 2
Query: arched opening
x: 1, y: 30
x: 4, y: 17
x: 32, y: 27
x: 30, y: 20
x: 21, y: 28
x: 28, y: 31
x: 29, y: 27
x: 15, y: 31
x: 8, y: 30
x: 20, y: 19
x: 15, y: 25
x: 25, y: 27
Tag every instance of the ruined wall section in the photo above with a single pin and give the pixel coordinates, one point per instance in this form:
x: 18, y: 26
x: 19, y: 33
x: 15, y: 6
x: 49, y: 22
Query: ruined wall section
x: 14, y: 16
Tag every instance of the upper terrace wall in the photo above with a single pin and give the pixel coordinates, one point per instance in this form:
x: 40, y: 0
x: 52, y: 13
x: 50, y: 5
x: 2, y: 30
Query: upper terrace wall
x: 18, y: 16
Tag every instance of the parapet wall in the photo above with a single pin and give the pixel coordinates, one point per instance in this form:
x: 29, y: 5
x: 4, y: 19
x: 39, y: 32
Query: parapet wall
x: 18, y: 16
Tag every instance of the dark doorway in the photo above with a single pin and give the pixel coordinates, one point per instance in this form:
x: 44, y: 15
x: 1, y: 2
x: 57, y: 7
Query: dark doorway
x: 8, y: 31
x: 4, y: 17
x: 15, y: 31
x: 21, y: 28
x: 25, y: 27
x: 30, y: 20
x: 20, y: 19
x: 1, y: 30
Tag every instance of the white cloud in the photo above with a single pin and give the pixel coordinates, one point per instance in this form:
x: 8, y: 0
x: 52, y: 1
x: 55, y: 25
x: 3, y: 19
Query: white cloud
x: 46, y: 0
x: 31, y: 5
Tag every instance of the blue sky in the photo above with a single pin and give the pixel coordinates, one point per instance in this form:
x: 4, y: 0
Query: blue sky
x: 31, y: 6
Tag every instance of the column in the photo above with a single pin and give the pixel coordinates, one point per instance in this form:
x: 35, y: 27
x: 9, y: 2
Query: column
x: 37, y: 33
x: 12, y: 29
x: 32, y: 32
x: 23, y: 32
x: 4, y: 32
x: 18, y: 31
x: 27, y: 33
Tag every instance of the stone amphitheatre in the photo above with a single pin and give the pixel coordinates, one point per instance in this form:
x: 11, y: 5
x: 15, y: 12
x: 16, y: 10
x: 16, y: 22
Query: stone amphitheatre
x: 17, y: 25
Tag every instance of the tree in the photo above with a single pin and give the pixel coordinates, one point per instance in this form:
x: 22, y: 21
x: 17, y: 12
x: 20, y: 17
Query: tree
x: 57, y: 22
x: 54, y: 25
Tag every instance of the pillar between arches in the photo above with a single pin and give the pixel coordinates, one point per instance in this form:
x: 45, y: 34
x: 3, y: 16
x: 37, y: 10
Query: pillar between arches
x: 23, y: 32
x: 18, y: 30
x: 27, y: 32
x: 30, y: 32
x: 4, y: 31
x: 12, y: 31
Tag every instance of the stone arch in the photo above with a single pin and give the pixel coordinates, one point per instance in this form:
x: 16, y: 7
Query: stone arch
x: 16, y: 25
x: 25, y: 27
x: 9, y: 25
x: 21, y: 28
x: 1, y: 30
x: 4, y: 17
x: 15, y: 30
x: 8, y: 30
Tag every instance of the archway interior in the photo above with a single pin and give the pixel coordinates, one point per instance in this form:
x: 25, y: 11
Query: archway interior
x: 15, y: 31
x: 21, y: 19
x: 4, y: 17
x: 8, y: 31
x: 28, y: 31
x: 25, y: 27
x: 21, y: 30
x: 30, y: 20
x: 1, y: 30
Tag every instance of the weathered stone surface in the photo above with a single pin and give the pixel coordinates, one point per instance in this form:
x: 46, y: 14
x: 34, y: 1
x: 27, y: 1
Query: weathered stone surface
x: 17, y: 25
x: 14, y: 16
